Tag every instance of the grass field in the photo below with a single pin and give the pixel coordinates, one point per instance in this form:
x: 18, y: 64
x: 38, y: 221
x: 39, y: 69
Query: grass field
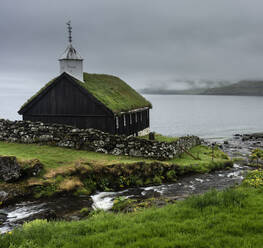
x: 53, y: 157
x: 232, y: 218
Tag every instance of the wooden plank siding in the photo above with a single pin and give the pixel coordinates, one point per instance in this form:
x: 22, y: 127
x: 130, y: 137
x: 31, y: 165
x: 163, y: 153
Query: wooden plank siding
x: 65, y: 103
x: 135, y: 122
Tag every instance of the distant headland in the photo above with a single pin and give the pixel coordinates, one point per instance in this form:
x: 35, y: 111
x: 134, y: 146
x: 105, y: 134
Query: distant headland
x: 241, y: 88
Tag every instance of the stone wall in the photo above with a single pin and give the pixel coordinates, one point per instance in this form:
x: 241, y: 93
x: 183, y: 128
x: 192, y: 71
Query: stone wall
x: 92, y: 140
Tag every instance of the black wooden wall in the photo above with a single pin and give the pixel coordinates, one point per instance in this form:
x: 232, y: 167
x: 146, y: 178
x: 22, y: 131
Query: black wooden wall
x: 132, y: 123
x: 66, y: 103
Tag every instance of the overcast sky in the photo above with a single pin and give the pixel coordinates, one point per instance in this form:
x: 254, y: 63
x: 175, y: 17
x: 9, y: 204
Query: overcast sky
x: 142, y: 41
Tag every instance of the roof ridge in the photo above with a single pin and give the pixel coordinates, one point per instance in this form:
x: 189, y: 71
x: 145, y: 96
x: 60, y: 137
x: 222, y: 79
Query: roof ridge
x: 110, y: 90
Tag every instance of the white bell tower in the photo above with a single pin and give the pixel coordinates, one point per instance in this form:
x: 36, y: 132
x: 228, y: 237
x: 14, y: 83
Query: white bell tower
x: 70, y: 61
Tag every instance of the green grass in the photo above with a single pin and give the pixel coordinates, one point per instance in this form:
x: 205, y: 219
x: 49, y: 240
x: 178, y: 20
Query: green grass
x: 160, y: 138
x: 232, y: 218
x: 204, y: 153
x: 53, y: 157
x: 113, y: 92
x: 85, y: 172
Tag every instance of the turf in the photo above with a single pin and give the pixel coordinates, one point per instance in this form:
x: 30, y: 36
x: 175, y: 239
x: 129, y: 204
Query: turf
x: 114, y: 92
x: 204, y: 154
x: 53, y: 157
x: 232, y: 218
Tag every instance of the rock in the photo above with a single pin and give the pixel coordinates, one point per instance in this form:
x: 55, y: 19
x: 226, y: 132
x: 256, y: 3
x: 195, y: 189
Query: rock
x: 98, y: 143
x: 101, y: 150
x: 10, y: 170
x: 45, y: 138
x: 151, y: 136
x: 3, y: 196
x: 120, y: 145
x: 3, y: 216
x: 135, y: 153
x: 151, y: 193
x: 46, y: 214
x: 76, y: 130
x: 116, y: 151
x: 32, y: 168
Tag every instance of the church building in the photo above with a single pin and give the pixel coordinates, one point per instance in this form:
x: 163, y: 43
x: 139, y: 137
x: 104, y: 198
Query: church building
x: 86, y: 100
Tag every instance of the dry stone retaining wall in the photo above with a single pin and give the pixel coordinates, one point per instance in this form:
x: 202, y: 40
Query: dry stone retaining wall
x: 92, y: 140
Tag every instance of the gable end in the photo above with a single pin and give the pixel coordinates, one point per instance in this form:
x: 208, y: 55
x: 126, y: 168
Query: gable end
x: 40, y: 94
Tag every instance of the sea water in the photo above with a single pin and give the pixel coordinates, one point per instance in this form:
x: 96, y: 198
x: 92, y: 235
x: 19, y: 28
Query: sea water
x: 177, y: 115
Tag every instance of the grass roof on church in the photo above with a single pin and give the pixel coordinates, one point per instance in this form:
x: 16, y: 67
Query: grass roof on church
x: 113, y: 92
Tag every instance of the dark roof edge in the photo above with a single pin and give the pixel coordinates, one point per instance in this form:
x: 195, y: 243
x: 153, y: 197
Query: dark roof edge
x: 38, y: 95
x: 44, y: 90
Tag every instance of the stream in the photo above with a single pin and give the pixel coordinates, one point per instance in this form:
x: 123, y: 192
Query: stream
x: 63, y: 207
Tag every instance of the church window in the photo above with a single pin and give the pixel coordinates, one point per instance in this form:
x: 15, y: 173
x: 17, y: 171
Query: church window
x: 124, y: 120
x: 117, y: 122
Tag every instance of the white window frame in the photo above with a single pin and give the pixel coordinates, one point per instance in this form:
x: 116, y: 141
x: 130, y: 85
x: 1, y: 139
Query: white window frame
x: 124, y: 120
x: 117, y: 122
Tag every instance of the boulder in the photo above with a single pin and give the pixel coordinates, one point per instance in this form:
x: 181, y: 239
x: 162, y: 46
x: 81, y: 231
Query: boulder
x: 10, y: 170
x: 3, y: 216
x: 3, y: 196
x: 32, y: 168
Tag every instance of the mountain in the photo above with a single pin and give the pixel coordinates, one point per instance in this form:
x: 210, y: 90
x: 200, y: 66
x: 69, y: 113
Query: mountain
x: 242, y: 88
x: 154, y: 91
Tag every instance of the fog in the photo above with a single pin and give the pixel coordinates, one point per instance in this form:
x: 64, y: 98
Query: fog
x: 170, y: 43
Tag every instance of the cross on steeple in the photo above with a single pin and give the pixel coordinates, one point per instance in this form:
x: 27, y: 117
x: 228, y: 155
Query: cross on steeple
x: 69, y: 31
x: 70, y: 61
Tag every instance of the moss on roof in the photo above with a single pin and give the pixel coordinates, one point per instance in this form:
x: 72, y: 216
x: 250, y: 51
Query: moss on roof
x: 113, y: 92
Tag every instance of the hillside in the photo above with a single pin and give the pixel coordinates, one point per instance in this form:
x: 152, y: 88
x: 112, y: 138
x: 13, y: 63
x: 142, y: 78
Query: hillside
x: 154, y: 91
x: 242, y: 88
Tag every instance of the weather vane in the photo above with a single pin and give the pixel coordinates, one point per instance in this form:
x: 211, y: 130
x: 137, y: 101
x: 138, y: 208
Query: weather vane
x: 69, y: 31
